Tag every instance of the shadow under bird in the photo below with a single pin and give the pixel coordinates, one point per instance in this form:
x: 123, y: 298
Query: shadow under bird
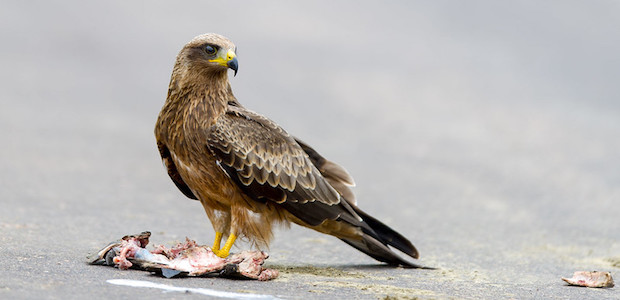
x: 248, y: 172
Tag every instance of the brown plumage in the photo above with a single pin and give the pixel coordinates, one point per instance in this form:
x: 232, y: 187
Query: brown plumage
x: 247, y: 171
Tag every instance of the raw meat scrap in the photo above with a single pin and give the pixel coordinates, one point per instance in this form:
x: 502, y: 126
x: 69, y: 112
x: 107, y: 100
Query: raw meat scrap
x: 591, y: 279
x: 184, y: 259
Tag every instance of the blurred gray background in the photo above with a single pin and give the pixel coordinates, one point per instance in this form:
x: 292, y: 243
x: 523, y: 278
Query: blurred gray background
x: 488, y: 132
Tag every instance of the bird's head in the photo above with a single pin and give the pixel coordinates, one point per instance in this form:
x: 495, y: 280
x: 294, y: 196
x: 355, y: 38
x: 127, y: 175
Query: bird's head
x: 209, y: 53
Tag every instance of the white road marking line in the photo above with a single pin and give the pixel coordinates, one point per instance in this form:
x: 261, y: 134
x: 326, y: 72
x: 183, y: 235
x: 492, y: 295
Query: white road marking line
x: 202, y: 291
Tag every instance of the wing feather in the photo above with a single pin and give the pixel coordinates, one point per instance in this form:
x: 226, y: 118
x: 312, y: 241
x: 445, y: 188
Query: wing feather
x: 267, y: 163
x: 173, y: 172
x: 335, y: 174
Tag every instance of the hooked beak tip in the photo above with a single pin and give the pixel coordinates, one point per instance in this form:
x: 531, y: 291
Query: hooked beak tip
x: 234, y: 65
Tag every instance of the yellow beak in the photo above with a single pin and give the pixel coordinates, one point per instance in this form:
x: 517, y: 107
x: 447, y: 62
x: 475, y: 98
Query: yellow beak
x: 228, y: 59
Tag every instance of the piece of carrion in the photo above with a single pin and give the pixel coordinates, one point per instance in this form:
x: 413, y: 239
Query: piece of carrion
x: 184, y: 259
x: 592, y: 279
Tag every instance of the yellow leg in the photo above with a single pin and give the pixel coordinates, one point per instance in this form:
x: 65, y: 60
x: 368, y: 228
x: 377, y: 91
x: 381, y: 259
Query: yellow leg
x: 216, y: 243
x: 224, y: 252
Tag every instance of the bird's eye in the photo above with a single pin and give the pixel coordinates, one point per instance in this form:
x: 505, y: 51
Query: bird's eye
x: 210, y: 50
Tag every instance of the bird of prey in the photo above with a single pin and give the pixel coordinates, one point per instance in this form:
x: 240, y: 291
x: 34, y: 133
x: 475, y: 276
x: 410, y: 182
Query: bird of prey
x: 249, y: 173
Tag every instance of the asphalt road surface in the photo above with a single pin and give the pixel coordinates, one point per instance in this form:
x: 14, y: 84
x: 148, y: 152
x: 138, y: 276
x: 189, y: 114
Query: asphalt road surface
x: 486, y: 132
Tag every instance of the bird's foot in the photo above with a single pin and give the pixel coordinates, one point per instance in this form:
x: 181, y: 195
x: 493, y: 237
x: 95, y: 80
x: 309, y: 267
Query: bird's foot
x: 221, y: 253
x: 216, y: 242
x: 225, y: 251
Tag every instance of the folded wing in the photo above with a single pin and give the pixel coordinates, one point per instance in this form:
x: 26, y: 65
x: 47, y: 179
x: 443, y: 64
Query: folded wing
x: 270, y: 165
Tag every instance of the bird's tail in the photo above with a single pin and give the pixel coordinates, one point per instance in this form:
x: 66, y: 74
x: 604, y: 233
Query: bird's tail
x: 375, y: 239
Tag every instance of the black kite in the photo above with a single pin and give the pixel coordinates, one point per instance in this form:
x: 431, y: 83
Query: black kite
x: 247, y: 171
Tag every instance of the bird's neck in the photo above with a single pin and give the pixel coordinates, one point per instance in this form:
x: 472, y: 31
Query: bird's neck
x: 204, y: 94
x: 194, y: 101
